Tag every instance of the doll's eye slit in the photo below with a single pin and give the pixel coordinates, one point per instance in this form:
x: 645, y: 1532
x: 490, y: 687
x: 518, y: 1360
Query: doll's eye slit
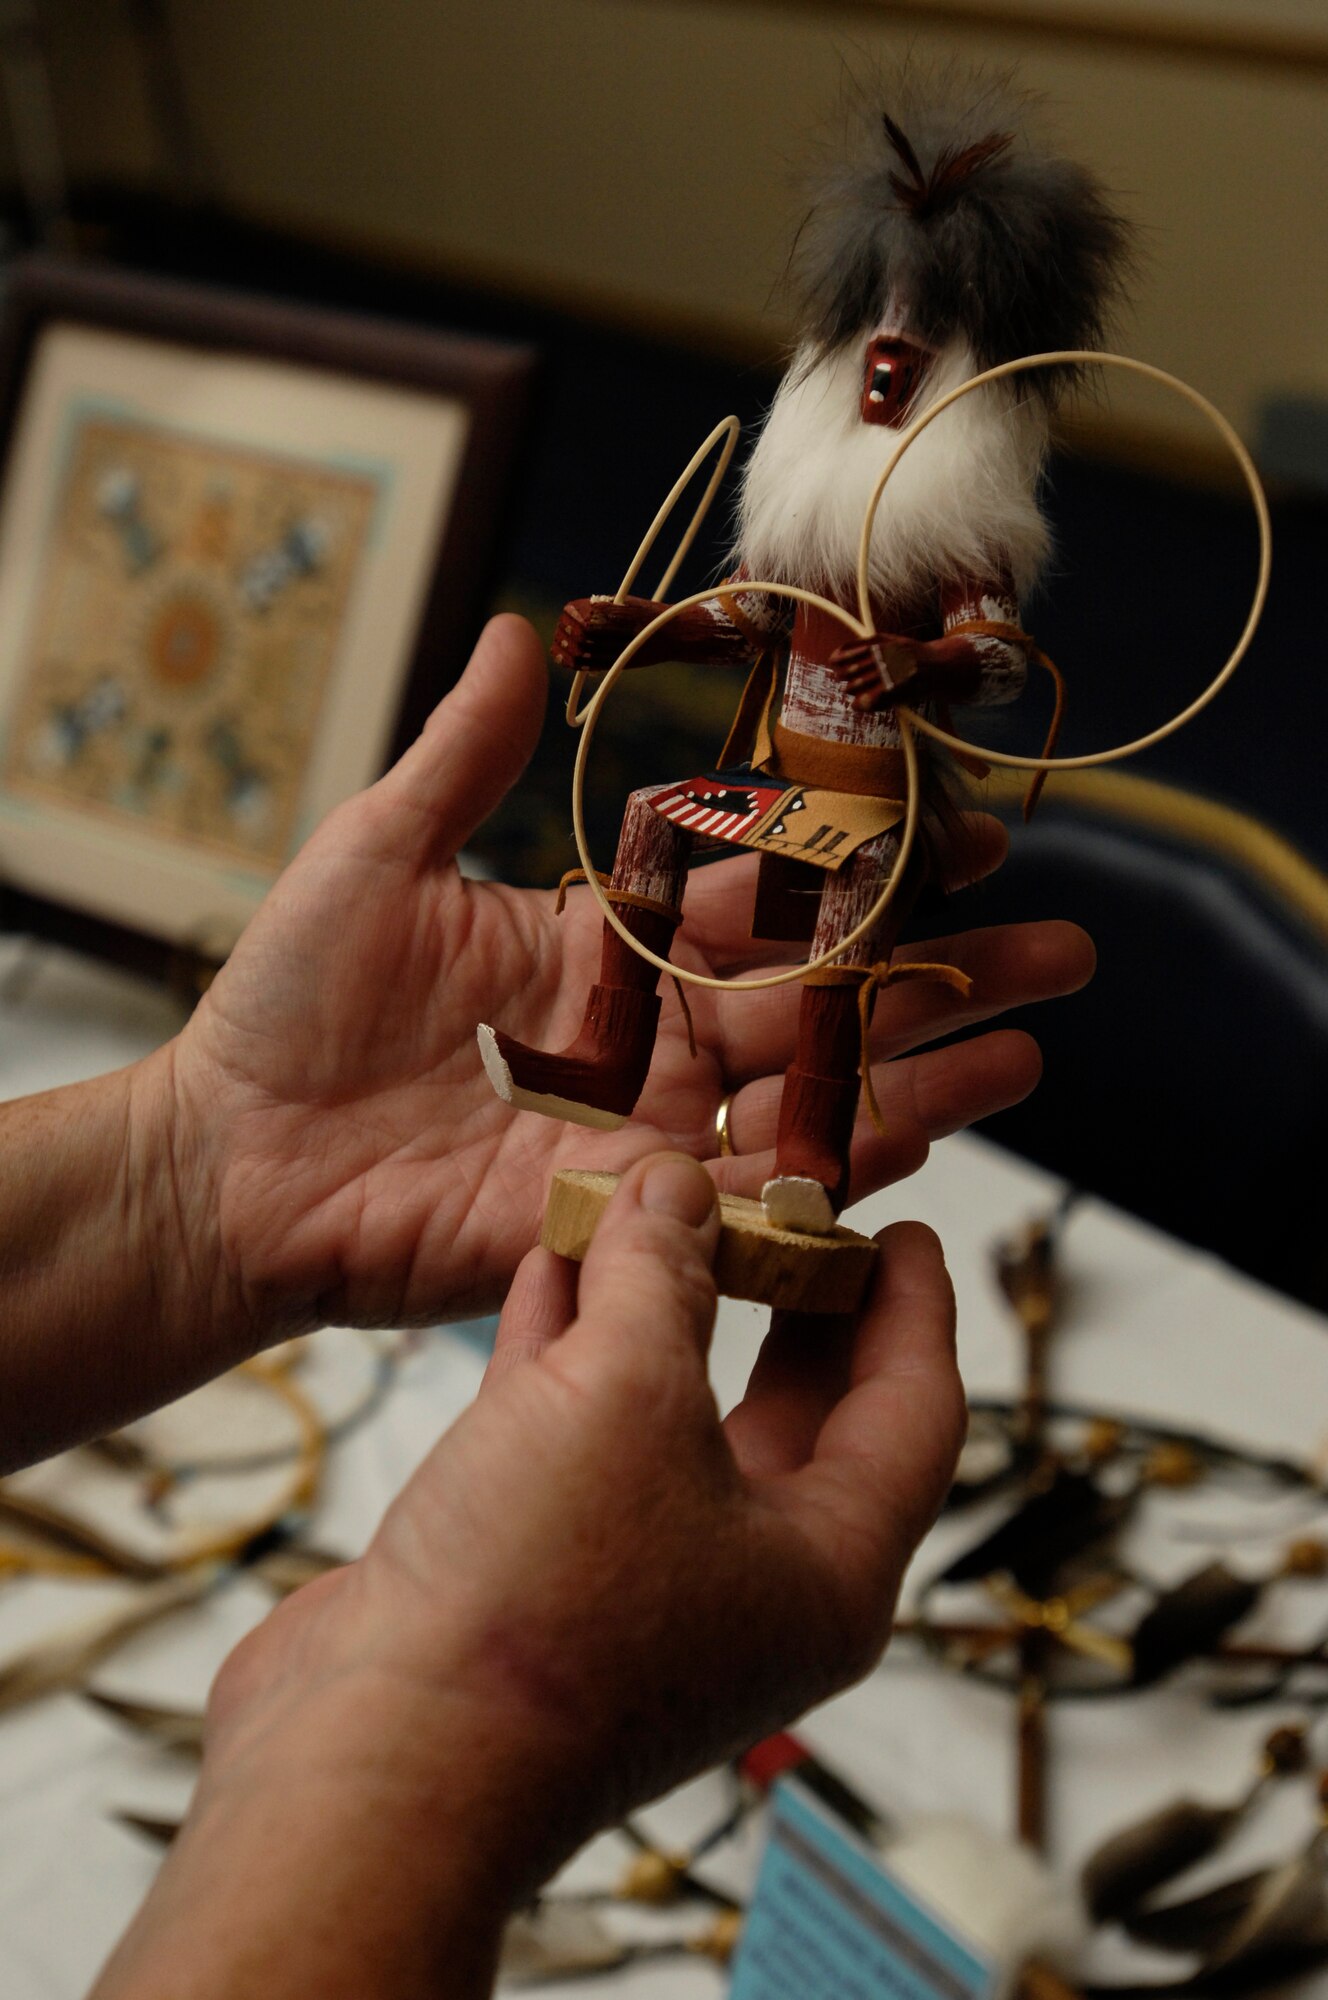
x: 882, y: 377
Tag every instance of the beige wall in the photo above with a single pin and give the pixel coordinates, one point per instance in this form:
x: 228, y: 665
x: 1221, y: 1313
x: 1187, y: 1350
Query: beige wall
x: 637, y: 154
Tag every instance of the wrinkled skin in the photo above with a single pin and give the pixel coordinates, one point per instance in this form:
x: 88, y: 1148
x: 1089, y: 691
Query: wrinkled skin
x: 591, y: 1587
x: 333, y: 1113
x: 591, y: 1590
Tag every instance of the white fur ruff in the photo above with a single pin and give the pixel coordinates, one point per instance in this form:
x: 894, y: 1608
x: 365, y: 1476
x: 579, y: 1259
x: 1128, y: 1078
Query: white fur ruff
x: 961, y: 502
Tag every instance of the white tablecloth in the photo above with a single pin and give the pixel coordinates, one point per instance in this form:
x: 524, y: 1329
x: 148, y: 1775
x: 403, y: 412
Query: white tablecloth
x: 1150, y: 1326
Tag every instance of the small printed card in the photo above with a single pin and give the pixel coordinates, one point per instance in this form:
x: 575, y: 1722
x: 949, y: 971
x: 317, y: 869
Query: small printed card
x: 829, y: 1921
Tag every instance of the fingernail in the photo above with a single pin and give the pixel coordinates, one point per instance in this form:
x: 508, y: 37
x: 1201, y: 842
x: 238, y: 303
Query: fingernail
x: 681, y: 1188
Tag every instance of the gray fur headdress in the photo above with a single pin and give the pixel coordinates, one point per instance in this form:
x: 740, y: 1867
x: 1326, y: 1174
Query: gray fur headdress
x: 946, y: 204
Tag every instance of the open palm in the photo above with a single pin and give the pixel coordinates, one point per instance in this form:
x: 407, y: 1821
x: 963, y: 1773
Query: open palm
x: 342, y: 1129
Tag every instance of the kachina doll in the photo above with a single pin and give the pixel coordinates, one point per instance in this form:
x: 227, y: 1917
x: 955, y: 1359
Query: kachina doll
x: 945, y: 240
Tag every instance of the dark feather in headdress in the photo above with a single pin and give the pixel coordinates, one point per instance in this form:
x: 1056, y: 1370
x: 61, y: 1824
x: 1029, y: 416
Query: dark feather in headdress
x: 947, y: 205
x: 926, y: 194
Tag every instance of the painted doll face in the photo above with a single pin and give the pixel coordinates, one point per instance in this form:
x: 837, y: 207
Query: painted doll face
x: 894, y: 370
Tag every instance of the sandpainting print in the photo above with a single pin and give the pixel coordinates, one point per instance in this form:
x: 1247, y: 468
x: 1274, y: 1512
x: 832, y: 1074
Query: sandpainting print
x: 193, y: 598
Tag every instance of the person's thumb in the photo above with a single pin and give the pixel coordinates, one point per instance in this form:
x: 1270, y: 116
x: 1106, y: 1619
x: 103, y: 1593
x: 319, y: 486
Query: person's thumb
x: 472, y: 749
x: 646, y: 1295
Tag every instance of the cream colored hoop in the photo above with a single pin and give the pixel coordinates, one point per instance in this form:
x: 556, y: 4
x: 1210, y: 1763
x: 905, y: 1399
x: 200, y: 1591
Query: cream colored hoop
x: 908, y: 719
x: 591, y: 716
x: 1073, y: 357
x: 728, y: 428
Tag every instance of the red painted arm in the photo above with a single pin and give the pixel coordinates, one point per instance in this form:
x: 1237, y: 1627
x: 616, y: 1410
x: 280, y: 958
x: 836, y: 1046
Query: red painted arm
x: 997, y: 663
x: 727, y: 631
x: 961, y: 666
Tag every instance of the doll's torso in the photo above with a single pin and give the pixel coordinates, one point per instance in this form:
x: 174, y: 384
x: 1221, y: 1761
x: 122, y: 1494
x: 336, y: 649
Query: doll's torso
x: 813, y: 700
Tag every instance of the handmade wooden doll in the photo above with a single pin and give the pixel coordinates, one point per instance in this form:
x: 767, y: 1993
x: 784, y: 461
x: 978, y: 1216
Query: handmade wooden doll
x: 944, y: 240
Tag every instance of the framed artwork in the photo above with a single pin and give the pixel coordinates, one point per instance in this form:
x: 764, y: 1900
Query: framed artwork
x: 242, y: 547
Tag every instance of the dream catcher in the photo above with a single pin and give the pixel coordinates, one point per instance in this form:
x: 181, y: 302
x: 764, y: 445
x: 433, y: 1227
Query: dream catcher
x: 224, y: 1481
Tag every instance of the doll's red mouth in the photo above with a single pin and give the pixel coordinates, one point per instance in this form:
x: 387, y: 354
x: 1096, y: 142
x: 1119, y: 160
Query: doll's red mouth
x: 894, y: 371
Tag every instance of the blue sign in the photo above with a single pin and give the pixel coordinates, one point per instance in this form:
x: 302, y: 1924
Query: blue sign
x: 830, y: 1922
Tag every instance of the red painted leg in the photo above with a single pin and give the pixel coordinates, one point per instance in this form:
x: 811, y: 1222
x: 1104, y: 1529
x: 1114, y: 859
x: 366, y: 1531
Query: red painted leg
x: 820, y: 1103
x: 598, y: 1077
x: 822, y: 1085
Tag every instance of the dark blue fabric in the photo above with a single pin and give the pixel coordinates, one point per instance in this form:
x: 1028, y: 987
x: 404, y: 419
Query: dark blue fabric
x: 1189, y: 1081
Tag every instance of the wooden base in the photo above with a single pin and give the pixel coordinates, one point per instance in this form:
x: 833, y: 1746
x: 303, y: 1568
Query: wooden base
x: 755, y: 1260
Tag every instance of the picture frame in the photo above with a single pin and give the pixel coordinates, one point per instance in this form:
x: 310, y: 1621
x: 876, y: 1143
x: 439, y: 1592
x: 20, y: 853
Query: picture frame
x: 243, y: 545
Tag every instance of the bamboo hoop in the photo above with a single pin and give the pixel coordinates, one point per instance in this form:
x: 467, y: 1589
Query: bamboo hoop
x: 729, y: 429
x: 607, y: 911
x: 1074, y: 357
x: 908, y: 718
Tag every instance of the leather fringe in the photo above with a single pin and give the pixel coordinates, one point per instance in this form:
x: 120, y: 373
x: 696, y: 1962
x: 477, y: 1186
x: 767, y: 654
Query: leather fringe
x: 874, y: 978
x: 628, y: 897
x: 992, y: 628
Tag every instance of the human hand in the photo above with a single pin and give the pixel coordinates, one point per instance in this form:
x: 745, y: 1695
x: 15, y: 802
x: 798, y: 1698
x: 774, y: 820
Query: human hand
x: 590, y: 1590
x: 336, y: 1150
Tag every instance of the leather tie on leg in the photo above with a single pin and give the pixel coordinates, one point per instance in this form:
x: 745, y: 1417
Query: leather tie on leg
x: 628, y: 897
x: 681, y: 992
x: 873, y: 978
x: 883, y: 975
